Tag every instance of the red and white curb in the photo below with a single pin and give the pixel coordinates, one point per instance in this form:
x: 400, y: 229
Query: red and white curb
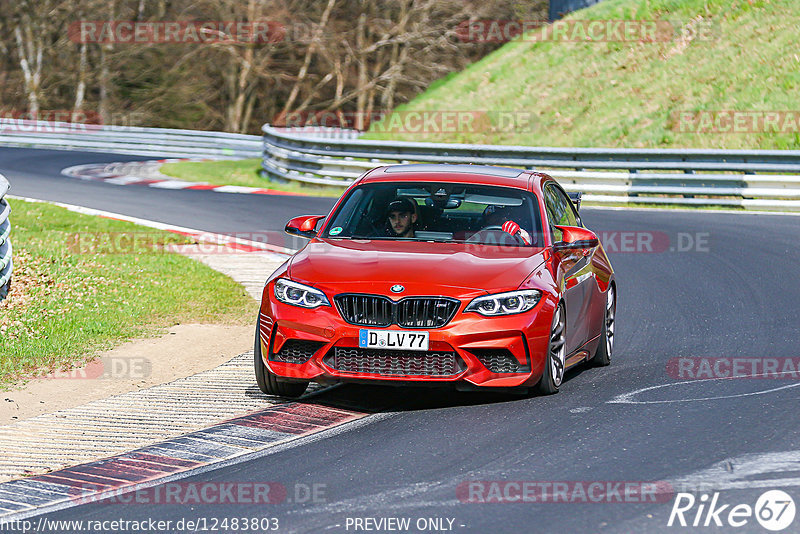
x: 213, y: 447
x: 147, y: 173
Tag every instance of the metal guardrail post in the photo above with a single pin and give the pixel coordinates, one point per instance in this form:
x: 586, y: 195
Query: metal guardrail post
x: 6, y: 263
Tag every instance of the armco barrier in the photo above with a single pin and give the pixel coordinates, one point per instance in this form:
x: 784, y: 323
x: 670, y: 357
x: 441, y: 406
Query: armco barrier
x: 153, y: 142
x: 757, y: 179
x: 753, y: 179
x: 6, y: 265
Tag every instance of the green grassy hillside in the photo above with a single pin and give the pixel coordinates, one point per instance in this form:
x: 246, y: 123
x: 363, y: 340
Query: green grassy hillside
x: 630, y: 94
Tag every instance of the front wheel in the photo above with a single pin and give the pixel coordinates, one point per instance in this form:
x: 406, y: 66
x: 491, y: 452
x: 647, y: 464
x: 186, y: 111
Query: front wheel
x: 556, y: 355
x: 602, y: 356
x: 267, y: 382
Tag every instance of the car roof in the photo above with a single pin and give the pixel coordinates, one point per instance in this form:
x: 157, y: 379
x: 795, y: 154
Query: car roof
x: 471, y: 174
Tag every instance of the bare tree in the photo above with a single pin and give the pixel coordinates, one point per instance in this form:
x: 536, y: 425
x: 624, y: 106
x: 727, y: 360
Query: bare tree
x: 337, y: 56
x: 30, y: 50
x: 313, y: 46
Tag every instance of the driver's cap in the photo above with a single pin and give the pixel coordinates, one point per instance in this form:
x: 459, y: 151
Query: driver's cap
x: 403, y: 205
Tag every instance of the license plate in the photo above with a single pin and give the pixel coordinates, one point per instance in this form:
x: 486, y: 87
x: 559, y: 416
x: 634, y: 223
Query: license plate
x: 393, y: 340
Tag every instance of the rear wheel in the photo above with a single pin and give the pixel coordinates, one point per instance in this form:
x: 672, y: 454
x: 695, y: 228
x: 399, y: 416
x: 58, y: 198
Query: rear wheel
x: 602, y: 356
x: 268, y: 383
x: 556, y: 355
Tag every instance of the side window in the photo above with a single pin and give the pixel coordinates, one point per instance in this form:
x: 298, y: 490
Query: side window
x: 560, y: 210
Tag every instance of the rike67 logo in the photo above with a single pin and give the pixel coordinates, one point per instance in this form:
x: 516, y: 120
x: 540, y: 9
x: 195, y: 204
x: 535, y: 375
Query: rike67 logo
x: 774, y: 510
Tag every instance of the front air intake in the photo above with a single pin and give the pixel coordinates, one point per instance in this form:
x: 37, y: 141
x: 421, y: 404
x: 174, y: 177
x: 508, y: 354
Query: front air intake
x: 394, y: 362
x: 296, y: 351
x: 499, y: 361
x: 410, y: 312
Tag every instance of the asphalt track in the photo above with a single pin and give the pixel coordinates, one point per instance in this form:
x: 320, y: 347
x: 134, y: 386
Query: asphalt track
x: 736, y: 295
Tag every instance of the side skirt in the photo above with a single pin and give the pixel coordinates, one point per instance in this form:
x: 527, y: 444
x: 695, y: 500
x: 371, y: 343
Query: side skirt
x: 581, y: 355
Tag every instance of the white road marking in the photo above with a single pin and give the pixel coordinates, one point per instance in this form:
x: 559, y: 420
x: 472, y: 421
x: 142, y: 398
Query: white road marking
x: 174, y: 184
x: 754, y: 470
x: 125, y: 180
x: 627, y: 398
x: 235, y: 189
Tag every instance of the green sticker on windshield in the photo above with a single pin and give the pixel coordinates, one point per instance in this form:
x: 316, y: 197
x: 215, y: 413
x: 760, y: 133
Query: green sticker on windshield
x: 336, y: 231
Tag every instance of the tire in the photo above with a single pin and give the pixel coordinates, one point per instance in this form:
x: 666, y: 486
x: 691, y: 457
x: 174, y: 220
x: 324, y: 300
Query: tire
x: 555, y: 362
x: 602, y: 355
x: 268, y: 383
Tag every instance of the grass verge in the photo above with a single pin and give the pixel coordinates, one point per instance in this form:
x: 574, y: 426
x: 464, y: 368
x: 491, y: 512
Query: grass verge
x: 632, y: 94
x: 69, y: 301
x: 243, y: 172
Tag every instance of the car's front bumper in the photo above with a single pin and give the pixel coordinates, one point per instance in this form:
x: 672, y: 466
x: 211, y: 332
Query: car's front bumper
x: 507, y: 351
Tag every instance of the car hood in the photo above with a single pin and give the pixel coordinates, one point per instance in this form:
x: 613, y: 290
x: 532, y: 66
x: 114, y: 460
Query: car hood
x: 447, y: 269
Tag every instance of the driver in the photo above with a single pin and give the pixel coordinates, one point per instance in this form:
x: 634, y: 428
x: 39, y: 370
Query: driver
x: 500, y: 216
x: 401, y: 217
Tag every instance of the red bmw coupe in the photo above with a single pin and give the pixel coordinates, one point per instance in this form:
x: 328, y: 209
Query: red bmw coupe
x: 479, y: 277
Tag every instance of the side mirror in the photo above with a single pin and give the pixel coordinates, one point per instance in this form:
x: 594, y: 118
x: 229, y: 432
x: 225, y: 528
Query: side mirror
x: 304, y: 226
x: 576, y: 238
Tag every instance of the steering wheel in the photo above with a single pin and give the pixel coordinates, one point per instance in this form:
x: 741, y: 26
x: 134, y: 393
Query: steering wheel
x: 376, y: 229
x: 476, y: 237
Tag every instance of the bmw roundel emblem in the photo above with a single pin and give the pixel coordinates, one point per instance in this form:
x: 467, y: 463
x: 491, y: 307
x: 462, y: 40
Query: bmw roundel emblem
x: 397, y: 288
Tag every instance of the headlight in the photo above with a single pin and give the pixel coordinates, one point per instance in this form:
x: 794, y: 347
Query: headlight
x: 505, y: 303
x: 301, y: 295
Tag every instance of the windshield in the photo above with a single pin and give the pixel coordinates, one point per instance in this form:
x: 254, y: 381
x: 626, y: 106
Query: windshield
x: 442, y: 212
